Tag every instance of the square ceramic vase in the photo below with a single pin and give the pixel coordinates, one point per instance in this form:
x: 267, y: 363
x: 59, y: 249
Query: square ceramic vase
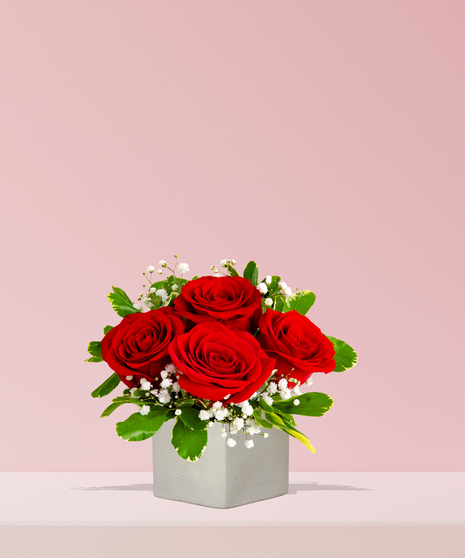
x: 223, y: 477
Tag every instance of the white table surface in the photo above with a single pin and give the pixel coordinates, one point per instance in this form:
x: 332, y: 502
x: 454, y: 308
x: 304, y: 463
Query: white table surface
x: 108, y: 499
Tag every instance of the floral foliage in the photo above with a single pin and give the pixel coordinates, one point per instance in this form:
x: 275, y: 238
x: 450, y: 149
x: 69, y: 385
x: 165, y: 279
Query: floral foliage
x: 217, y: 348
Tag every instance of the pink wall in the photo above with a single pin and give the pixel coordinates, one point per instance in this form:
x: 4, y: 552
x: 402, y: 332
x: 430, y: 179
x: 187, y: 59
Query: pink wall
x: 323, y: 139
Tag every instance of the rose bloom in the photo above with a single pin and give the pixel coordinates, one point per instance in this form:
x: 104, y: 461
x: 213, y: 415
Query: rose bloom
x: 215, y: 361
x: 138, y: 345
x: 233, y: 301
x: 296, y: 343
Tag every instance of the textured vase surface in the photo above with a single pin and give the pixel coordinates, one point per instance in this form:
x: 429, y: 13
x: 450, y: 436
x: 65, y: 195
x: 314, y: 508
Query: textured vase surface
x: 223, y: 477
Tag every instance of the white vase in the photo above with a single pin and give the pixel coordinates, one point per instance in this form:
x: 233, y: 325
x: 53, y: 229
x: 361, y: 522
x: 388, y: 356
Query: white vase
x: 223, y: 477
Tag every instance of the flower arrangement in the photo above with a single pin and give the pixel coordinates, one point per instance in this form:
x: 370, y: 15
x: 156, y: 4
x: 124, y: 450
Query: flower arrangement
x: 224, y: 348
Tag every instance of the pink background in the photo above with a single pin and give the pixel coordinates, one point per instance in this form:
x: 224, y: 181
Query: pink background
x: 323, y: 139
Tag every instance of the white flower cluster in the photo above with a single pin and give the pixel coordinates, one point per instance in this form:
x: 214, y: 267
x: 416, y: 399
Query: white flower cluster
x: 167, y: 392
x: 223, y: 263
x: 283, y: 388
x: 164, y: 397
x: 162, y: 294
x: 168, y: 387
x: 163, y: 264
x: 216, y: 411
x: 247, y: 409
x: 286, y: 290
x: 205, y: 415
x: 145, y: 385
x: 146, y: 300
x: 169, y: 383
x: 237, y: 416
x: 263, y: 288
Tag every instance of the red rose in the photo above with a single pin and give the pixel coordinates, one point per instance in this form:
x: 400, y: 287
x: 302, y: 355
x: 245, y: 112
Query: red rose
x: 138, y: 345
x: 233, y: 301
x: 296, y: 343
x: 215, y: 361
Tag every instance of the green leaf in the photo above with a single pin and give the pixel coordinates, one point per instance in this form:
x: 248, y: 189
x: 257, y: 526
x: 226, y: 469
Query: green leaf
x: 345, y: 356
x: 265, y: 406
x: 279, y: 303
x: 107, y: 412
x: 186, y: 403
x: 312, y: 404
x: 274, y: 419
x: 107, y: 387
x: 139, y: 427
x: 125, y: 398
x: 298, y: 436
x: 231, y: 270
x: 287, y: 416
x: 251, y: 273
x: 301, y: 301
x: 121, y: 303
x: 190, y: 444
x: 95, y: 349
x: 106, y: 329
x: 257, y: 413
x: 139, y: 402
x: 190, y: 417
x: 286, y: 426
